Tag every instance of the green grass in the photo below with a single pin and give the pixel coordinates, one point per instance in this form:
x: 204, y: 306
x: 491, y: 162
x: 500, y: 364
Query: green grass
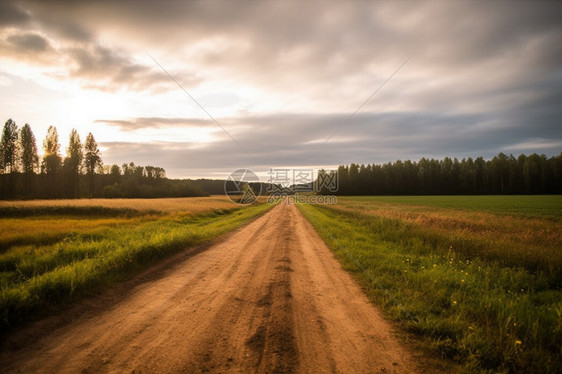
x: 540, y: 206
x: 489, y: 313
x: 38, y: 277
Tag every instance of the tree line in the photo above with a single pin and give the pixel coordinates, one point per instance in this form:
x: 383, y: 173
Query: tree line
x: 533, y: 174
x: 80, y: 174
x: 23, y: 175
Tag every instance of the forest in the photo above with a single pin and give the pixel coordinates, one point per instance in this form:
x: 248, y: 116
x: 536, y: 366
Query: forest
x: 23, y: 175
x: 503, y: 174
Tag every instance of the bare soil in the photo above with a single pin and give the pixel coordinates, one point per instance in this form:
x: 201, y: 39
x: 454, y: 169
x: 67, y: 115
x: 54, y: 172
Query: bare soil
x: 269, y: 298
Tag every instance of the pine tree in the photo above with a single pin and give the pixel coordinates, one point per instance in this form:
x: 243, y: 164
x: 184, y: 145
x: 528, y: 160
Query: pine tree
x: 52, y: 157
x: 28, y: 145
x: 9, y: 147
x: 73, y: 163
x: 51, y: 164
x: 92, y: 159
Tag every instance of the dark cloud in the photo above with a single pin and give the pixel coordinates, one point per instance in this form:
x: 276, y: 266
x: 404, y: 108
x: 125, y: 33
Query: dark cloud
x: 29, y: 42
x: 67, y: 29
x: 42, y: 15
x: 12, y: 15
x: 29, y: 47
x: 106, y: 69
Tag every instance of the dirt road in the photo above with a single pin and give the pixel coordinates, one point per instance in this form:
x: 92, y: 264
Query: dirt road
x: 269, y: 298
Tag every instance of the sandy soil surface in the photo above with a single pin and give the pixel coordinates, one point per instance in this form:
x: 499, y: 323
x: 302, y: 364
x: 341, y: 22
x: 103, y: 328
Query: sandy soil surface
x: 269, y: 298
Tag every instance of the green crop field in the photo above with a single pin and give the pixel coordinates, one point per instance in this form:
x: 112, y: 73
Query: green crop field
x: 477, y: 278
x: 541, y: 206
x: 52, y: 252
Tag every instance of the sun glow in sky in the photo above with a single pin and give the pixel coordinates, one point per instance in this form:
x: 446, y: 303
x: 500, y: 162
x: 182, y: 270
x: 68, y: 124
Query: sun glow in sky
x: 280, y: 77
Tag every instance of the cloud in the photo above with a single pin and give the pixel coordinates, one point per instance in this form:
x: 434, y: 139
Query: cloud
x: 64, y: 28
x: 29, y: 42
x: 12, y: 15
x: 312, y: 48
x: 105, y: 69
x: 286, y: 139
x: 30, y: 48
x: 37, y: 35
x: 536, y: 144
x: 156, y: 123
x: 483, y: 78
x: 317, y: 49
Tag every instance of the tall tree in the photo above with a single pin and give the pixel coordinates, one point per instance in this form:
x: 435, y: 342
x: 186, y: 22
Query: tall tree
x: 29, y: 157
x: 9, y: 146
x: 74, y: 151
x: 73, y: 163
x: 92, y: 159
x: 51, y: 147
x: 51, y: 163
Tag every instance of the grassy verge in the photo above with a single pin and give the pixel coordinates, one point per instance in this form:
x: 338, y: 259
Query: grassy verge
x: 36, y: 278
x: 487, y: 313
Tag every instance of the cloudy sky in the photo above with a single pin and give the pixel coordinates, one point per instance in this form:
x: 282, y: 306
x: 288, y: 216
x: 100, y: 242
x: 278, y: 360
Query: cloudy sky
x: 203, y: 88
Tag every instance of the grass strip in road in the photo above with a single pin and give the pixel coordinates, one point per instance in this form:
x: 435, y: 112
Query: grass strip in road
x: 479, y: 312
x: 38, y: 279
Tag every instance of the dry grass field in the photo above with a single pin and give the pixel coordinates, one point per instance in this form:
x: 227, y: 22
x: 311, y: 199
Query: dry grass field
x: 191, y: 205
